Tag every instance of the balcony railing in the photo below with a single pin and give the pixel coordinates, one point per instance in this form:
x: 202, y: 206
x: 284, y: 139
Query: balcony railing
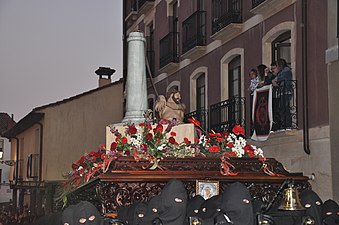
x: 255, y: 3
x: 169, y: 49
x: 194, y: 31
x: 201, y: 115
x: 226, y: 114
x: 225, y: 13
x: 284, y: 106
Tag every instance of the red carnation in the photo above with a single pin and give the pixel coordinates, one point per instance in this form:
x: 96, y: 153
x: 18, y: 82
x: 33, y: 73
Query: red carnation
x: 230, y: 145
x: 159, y: 128
x: 171, y: 140
x: 187, y: 142
x: 113, y: 146
x: 214, y: 134
x: 132, y: 129
x: 124, y: 140
x: 238, y: 130
x: 149, y: 136
x: 219, y: 139
x: 230, y: 154
x: 214, y: 148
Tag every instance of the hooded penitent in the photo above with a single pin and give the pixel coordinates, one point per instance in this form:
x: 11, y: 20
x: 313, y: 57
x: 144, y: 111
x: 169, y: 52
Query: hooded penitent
x: 193, y: 207
x: 153, y: 210
x: 330, y: 212
x: 174, y: 202
x: 313, y: 204
x: 136, y: 213
x: 84, y: 213
x: 209, y: 209
x: 236, y: 204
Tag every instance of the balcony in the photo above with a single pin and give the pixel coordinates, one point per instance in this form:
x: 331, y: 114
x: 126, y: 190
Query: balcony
x: 226, y: 114
x: 145, y: 5
x: 227, y: 22
x: 194, y: 35
x: 269, y: 7
x: 169, y: 52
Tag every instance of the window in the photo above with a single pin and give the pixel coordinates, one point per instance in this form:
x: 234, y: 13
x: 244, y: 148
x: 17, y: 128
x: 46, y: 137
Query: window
x: 281, y: 47
x: 234, y: 109
x: 201, y: 92
x: 32, y: 165
x: 234, y: 75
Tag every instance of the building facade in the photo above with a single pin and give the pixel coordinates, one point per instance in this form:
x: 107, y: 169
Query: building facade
x: 48, y: 139
x: 207, y: 48
x: 6, y: 123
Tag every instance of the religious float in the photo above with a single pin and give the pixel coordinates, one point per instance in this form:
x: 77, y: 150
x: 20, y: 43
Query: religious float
x: 142, y: 159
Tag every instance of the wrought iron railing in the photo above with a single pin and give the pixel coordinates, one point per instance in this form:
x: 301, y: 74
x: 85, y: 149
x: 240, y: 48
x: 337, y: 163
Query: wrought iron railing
x: 225, y: 13
x: 194, y: 31
x: 284, y: 105
x: 223, y: 116
x: 226, y: 114
x: 201, y: 115
x: 169, y: 49
x: 255, y: 3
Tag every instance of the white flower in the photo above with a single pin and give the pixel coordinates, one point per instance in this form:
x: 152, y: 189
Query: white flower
x: 161, y: 147
x: 202, y: 140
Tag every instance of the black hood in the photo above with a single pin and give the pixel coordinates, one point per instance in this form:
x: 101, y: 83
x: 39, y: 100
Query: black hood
x: 313, y: 204
x: 174, y: 202
x: 237, y: 204
x: 330, y: 212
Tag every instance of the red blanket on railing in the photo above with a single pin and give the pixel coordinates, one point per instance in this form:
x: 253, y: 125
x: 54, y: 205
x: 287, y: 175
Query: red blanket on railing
x: 262, y: 113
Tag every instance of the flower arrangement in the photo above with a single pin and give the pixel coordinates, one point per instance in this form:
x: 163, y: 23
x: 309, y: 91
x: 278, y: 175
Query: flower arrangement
x: 153, y: 143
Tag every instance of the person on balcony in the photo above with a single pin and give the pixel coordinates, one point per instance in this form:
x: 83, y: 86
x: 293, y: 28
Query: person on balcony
x: 265, y: 75
x: 254, y: 82
x: 284, y: 92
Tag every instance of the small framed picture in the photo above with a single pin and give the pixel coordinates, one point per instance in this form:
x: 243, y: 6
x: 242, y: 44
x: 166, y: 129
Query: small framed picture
x: 207, y: 188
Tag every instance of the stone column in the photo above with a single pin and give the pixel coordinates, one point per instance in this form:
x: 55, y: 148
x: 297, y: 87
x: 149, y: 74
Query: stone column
x: 136, y: 103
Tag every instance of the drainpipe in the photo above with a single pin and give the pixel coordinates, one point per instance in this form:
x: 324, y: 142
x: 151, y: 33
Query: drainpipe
x: 304, y: 76
x: 40, y: 155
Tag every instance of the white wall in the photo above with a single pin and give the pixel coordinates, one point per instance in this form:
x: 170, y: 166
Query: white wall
x: 5, y: 191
